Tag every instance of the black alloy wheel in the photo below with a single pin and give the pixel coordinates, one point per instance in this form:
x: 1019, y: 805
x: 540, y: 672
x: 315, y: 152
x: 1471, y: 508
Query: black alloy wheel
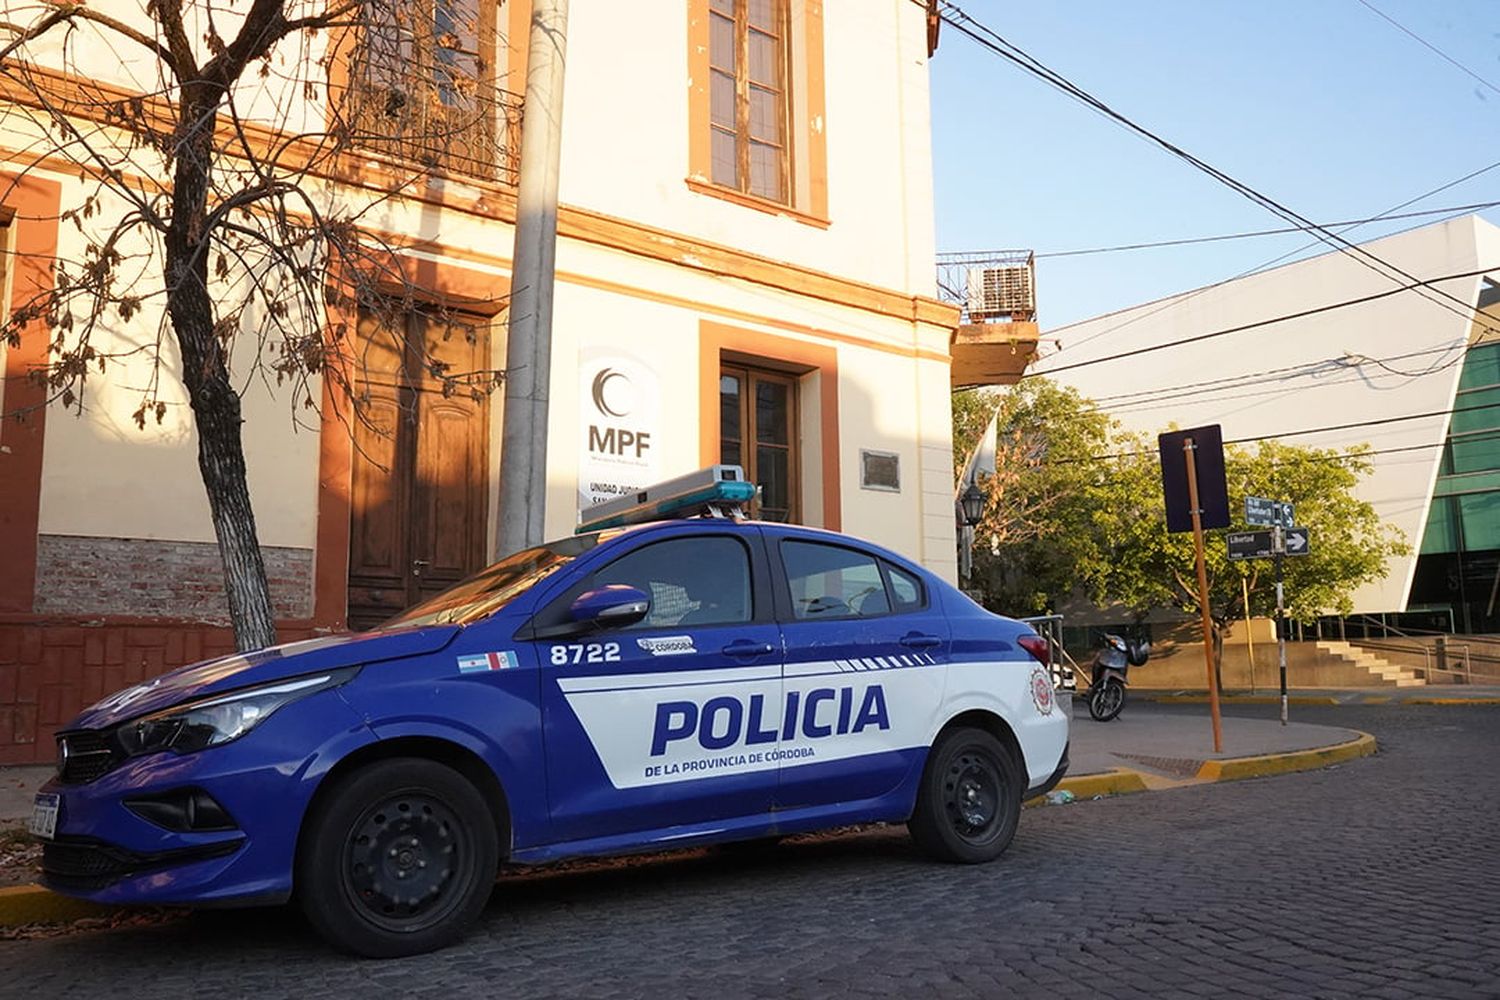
x: 970, y: 799
x: 1106, y: 700
x: 398, y: 859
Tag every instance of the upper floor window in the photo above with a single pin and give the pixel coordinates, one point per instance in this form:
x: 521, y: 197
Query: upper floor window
x: 756, y: 105
x: 748, y: 104
x: 423, y: 85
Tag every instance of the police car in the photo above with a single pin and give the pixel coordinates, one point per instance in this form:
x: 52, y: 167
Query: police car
x: 654, y: 681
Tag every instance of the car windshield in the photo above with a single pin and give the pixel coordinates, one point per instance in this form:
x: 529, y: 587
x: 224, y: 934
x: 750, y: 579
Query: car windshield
x: 495, y: 586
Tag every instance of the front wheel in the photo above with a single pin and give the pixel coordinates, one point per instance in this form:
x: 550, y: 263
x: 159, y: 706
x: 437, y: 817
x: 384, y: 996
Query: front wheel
x: 1106, y: 700
x: 969, y: 801
x: 399, y: 859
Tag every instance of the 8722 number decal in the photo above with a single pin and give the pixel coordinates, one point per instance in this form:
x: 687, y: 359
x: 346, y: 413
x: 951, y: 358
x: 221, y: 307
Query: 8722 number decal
x: 586, y: 652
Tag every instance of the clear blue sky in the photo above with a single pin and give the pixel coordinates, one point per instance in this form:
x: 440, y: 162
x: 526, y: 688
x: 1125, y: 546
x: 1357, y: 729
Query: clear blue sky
x: 1320, y: 104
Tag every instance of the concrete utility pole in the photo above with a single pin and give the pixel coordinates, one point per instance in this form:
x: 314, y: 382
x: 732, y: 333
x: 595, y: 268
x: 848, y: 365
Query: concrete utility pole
x: 528, y: 358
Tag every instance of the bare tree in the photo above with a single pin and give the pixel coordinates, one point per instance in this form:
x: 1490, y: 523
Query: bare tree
x: 211, y: 203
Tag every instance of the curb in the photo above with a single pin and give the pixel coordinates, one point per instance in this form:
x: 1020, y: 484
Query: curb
x: 1286, y: 763
x: 1239, y: 699
x: 1453, y: 701
x: 1120, y: 781
x: 1124, y: 781
x: 31, y: 904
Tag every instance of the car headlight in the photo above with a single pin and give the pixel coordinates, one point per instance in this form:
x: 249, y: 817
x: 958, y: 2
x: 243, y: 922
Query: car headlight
x: 197, y: 725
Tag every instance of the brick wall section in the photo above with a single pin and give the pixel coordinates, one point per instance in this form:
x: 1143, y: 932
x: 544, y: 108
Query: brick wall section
x: 51, y: 668
x: 152, y: 578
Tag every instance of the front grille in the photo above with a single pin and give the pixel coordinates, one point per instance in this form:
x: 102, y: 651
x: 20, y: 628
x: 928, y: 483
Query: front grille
x: 83, y: 756
x: 84, y: 865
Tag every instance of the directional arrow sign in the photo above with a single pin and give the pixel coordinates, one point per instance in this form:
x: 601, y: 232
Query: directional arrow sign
x: 1297, y: 542
x: 1285, y: 514
x: 1249, y: 545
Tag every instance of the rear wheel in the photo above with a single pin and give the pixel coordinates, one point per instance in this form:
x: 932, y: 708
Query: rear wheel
x: 970, y: 799
x: 398, y: 859
x: 1106, y: 700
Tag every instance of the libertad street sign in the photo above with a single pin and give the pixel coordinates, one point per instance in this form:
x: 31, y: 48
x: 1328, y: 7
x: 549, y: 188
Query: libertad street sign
x: 1249, y: 545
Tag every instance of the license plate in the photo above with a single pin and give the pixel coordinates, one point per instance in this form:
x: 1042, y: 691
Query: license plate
x: 44, y: 816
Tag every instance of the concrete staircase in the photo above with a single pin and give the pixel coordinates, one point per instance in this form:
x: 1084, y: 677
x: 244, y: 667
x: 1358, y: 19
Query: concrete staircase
x: 1382, y: 672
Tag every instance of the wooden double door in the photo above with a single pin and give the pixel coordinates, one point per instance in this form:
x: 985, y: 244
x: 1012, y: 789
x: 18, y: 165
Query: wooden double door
x: 420, y: 479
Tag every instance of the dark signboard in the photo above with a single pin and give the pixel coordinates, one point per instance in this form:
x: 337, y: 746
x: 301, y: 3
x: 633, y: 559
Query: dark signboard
x: 1213, y: 493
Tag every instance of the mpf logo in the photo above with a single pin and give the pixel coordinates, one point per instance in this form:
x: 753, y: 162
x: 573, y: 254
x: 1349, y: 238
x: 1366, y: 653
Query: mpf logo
x: 614, y: 397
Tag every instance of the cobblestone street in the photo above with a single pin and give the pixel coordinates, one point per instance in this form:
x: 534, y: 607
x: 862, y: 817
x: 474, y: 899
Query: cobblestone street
x: 1377, y: 878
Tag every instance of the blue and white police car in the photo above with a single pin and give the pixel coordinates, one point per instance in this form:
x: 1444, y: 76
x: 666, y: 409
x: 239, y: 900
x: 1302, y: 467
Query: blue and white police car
x: 654, y: 681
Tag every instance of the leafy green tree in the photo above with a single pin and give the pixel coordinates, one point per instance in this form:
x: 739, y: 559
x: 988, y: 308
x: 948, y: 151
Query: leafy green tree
x: 1037, y: 530
x: 1145, y: 567
x: 1075, y: 508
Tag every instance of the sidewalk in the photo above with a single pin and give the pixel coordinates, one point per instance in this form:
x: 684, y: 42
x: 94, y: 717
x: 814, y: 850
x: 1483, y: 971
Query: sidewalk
x: 1150, y: 749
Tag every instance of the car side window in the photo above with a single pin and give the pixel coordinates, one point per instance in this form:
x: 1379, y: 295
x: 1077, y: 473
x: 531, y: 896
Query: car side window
x: 830, y: 581
x: 691, y: 581
x: 906, y: 590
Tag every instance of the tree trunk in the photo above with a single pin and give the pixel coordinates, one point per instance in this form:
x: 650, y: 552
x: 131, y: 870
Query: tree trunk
x: 216, y: 406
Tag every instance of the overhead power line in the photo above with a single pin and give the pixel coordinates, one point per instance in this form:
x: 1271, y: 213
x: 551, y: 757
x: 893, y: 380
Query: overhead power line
x: 1284, y: 318
x: 1189, y: 241
x: 1356, y: 425
x: 955, y: 17
x: 1242, y: 379
x: 1425, y: 43
x: 1178, y: 300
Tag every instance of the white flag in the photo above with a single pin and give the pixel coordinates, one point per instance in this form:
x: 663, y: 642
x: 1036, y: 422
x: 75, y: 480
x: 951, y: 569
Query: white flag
x: 982, y: 458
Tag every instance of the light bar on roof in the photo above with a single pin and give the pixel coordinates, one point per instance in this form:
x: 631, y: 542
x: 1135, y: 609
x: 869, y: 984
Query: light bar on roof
x: 719, y: 491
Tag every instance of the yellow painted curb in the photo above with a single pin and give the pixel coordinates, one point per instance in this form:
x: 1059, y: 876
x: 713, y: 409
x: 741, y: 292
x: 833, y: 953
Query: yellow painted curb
x: 1453, y: 701
x: 31, y: 904
x: 1239, y: 699
x: 1085, y: 786
x: 1286, y: 763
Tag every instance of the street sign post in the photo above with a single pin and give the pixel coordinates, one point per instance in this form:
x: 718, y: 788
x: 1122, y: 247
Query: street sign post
x: 1284, y: 539
x: 1193, y: 485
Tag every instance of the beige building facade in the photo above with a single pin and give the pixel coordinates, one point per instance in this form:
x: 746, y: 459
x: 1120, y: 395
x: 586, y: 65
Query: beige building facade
x: 744, y: 274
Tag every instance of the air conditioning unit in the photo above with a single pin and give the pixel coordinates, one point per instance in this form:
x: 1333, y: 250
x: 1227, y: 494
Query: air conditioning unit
x: 994, y: 292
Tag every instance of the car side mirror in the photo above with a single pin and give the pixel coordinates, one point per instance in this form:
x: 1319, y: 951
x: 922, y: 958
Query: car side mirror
x: 613, y: 605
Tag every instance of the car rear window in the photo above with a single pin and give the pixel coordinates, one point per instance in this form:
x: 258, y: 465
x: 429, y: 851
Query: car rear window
x: 830, y: 581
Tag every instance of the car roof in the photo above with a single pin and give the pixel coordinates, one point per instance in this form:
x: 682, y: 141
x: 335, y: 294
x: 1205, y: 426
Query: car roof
x: 691, y: 525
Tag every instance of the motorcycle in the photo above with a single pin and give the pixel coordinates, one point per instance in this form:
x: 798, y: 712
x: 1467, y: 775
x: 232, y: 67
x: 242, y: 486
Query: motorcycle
x: 1107, y: 687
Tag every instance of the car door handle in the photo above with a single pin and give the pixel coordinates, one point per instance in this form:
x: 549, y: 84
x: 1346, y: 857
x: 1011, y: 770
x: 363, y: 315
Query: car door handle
x: 745, y: 648
x: 917, y: 640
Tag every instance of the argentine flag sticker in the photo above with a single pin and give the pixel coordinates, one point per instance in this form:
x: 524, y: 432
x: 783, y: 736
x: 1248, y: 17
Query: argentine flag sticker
x: 482, y: 662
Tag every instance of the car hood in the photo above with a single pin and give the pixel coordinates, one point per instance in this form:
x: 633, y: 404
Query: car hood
x: 240, y: 670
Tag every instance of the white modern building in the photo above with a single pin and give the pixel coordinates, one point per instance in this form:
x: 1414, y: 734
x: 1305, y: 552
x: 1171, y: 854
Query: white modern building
x: 1329, y: 352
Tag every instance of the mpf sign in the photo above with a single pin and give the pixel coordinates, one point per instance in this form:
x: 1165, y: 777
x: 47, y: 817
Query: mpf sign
x: 619, y: 423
